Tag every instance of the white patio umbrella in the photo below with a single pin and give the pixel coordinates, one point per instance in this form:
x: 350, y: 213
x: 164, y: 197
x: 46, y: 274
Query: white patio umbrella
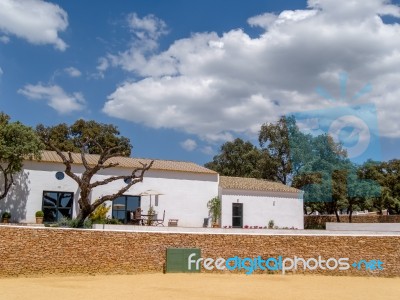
x: 150, y: 193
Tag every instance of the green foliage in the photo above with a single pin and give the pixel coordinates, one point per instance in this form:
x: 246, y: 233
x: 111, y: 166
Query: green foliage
x: 94, y: 137
x: 271, y: 224
x: 74, y: 223
x: 99, y: 216
x: 150, y: 211
x: 274, y: 141
x: 90, y: 137
x: 39, y: 214
x: 214, y: 207
x: 6, y: 215
x: 17, y: 142
x: 387, y: 175
x: 240, y: 159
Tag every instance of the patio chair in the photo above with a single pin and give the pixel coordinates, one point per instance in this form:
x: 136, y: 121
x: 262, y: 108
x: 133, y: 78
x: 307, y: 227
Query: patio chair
x: 136, y: 217
x: 157, y: 222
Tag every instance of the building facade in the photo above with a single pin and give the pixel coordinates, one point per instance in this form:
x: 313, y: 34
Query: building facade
x: 181, y: 189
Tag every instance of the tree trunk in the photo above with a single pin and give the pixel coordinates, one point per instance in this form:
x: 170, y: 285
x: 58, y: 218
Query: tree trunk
x: 83, y: 214
x: 337, y: 216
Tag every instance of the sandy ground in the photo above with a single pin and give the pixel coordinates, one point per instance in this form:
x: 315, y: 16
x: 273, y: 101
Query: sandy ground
x: 200, y: 286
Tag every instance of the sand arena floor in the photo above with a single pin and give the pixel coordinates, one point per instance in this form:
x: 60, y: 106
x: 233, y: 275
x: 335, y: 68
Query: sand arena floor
x: 200, y: 286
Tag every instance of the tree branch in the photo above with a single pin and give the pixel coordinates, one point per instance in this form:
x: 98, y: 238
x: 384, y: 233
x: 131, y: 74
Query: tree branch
x: 133, y: 176
x: 67, y: 162
x: 83, y: 157
x: 135, y: 179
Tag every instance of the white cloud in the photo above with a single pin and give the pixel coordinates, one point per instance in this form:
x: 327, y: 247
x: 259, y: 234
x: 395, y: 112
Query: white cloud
x: 147, y: 27
x: 55, y: 97
x: 207, y: 150
x: 73, y: 72
x: 37, y: 21
x: 145, y: 34
x: 1, y: 71
x: 103, y: 64
x: 189, y: 145
x: 217, y: 86
x: 4, y: 39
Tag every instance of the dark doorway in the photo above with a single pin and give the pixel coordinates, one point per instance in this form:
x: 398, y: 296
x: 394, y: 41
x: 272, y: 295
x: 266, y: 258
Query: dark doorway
x: 237, y: 215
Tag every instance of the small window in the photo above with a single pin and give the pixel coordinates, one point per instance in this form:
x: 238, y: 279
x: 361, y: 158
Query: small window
x: 60, y: 175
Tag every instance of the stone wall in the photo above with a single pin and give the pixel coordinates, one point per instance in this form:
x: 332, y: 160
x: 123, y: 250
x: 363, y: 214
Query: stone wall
x: 313, y: 222
x: 43, y: 251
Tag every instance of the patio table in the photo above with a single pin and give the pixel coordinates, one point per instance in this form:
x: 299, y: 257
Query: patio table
x: 148, y: 219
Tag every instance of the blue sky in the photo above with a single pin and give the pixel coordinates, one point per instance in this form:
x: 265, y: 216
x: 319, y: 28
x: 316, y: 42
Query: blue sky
x: 179, y: 78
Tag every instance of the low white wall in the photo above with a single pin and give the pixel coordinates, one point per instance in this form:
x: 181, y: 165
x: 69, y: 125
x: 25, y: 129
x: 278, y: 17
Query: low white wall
x: 285, y: 209
x: 389, y: 227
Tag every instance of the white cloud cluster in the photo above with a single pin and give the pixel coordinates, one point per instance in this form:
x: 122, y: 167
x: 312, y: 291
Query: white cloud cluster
x: 4, y: 39
x: 215, y: 86
x: 148, y: 27
x: 55, y: 97
x: 73, y: 72
x: 189, y: 145
x: 36, y: 21
x: 145, y: 34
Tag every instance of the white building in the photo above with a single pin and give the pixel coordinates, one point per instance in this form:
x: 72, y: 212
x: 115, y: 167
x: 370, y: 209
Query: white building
x: 184, y: 187
x: 249, y: 202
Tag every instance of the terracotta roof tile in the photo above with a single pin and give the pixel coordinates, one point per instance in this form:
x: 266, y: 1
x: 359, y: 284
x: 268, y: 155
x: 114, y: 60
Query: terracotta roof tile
x: 129, y: 162
x: 240, y: 183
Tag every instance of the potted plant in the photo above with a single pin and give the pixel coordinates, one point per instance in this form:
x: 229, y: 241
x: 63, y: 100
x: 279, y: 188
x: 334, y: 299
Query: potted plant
x: 151, y: 215
x: 5, y: 217
x: 39, y: 217
x: 214, y: 208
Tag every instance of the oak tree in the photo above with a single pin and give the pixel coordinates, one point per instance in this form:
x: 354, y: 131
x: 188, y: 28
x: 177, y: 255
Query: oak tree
x: 90, y: 137
x: 17, y: 141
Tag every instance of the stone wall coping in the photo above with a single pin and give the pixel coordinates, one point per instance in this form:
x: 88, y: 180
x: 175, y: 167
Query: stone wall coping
x: 221, y: 231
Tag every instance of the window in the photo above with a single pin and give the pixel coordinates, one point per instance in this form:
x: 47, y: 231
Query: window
x: 60, y: 175
x: 57, y: 205
x: 123, y: 205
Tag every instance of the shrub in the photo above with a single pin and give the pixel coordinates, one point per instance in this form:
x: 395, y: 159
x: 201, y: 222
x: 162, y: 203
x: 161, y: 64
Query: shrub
x: 214, y: 208
x: 113, y: 221
x: 6, y: 215
x: 39, y: 214
x: 73, y: 223
x: 316, y: 226
x: 271, y: 224
x: 100, y: 214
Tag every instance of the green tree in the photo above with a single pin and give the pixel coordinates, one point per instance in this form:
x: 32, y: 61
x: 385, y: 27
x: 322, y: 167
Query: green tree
x: 95, y: 138
x: 387, y: 175
x: 323, y: 175
x: 17, y: 142
x: 241, y: 159
x: 274, y: 142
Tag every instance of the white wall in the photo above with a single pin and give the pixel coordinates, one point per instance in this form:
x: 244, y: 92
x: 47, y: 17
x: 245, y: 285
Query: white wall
x: 185, y: 194
x: 285, y: 209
